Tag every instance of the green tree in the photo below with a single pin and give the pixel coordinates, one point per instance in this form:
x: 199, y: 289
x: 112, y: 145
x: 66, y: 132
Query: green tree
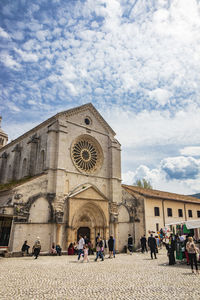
x: 143, y: 183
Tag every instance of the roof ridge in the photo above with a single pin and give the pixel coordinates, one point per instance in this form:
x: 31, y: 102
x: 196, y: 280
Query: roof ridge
x: 154, y: 192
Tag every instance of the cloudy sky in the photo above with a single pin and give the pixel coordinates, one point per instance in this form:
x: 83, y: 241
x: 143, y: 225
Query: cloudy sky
x: 137, y: 61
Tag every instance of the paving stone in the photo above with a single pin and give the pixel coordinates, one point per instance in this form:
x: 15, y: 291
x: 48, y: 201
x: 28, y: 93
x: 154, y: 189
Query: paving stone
x: 125, y: 277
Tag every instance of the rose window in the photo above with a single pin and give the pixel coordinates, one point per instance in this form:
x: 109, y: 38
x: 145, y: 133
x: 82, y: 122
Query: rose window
x: 85, y: 155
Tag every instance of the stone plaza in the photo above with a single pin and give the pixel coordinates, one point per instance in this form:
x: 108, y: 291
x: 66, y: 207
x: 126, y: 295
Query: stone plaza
x: 124, y: 277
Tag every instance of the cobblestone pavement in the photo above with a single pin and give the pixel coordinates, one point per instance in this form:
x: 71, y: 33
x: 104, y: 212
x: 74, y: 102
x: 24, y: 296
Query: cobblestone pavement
x: 125, y: 277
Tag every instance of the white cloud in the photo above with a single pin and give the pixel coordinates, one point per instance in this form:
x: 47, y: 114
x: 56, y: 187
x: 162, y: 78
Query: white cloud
x: 181, y: 167
x: 32, y: 102
x: 4, y: 34
x: 9, y: 62
x: 27, y: 56
x: 154, y: 127
x: 158, y: 179
x: 160, y: 95
x: 190, y: 151
x: 13, y: 107
x: 41, y: 35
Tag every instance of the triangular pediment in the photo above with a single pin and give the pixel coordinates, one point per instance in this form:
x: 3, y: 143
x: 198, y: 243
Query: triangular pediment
x: 89, y: 193
x: 78, y: 114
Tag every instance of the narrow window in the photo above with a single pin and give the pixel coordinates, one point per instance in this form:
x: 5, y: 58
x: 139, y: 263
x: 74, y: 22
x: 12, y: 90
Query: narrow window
x: 157, y: 227
x: 169, y: 212
x: 156, y: 211
x: 189, y: 213
x: 180, y: 213
x: 198, y: 213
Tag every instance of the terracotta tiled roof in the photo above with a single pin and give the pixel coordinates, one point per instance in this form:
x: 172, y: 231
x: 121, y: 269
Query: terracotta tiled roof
x: 150, y: 193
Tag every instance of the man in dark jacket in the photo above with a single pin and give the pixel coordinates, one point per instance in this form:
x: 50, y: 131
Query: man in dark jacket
x: 143, y: 242
x: 130, y: 244
x: 152, y: 245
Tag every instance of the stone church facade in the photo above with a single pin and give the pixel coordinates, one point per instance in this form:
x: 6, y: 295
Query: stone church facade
x: 63, y: 178
x: 67, y: 180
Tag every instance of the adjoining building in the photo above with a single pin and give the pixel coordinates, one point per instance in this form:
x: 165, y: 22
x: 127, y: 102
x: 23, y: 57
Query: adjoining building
x: 63, y: 178
x: 157, y: 209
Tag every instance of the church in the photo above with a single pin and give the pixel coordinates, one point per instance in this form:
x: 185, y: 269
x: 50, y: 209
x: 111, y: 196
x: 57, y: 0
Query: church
x: 66, y: 176
x: 63, y: 178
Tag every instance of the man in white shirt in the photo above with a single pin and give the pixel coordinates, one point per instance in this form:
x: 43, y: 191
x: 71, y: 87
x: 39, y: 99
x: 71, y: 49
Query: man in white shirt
x: 81, y: 244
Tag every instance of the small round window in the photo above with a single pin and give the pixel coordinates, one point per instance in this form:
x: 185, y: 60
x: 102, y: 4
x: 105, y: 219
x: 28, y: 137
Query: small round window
x: 87, y: 121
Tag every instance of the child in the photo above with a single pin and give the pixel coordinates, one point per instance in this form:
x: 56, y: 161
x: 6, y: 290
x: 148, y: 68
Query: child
x: 85, y: 251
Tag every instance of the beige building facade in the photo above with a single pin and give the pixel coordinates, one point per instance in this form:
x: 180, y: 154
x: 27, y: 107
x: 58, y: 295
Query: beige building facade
x: 162, y: 208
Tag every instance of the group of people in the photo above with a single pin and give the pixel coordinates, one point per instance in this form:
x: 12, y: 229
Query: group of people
x: 100, y: 246
x: 191, y: 251
x: 55, y: 249
x: 35, y: 250
x: 85, y: 248
x: 152, y: 244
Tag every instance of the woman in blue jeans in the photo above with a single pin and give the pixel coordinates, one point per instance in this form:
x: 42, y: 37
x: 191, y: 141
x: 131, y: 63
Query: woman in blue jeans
x: 192, y: 252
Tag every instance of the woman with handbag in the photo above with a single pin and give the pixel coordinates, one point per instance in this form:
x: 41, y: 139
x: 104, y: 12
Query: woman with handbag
x: 192, y: 252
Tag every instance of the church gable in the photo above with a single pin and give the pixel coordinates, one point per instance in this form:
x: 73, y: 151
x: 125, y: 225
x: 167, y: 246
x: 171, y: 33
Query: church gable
x: 87, y: 116
x: 89, y: 193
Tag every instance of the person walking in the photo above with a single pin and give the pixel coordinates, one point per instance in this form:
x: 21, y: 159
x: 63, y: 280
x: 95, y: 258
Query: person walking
x: 192, y: 252
x: 81, y: 244
x: 36, y: 248
x: 99, y: 247
x: 130, y: 244
x: 143, y: 242
x: 97, y: 237
x: 171, y: 247
x: 85, y: 250
x: 152, y: 245
x: 111, y: 246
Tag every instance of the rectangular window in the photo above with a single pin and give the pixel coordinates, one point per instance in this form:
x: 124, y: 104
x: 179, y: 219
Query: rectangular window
x: 189, y: 213
x: 180, y: 213
x: 198, y: 213
x: 169, y: 212
x: 157, y: 227
x: 156, y: 211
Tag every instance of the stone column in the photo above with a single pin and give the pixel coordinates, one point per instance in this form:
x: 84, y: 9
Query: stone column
x: 16, y: 162
x: 116, y: 236
x: 59, y: 223
x: 4, y: 158
x: 69, y: 234
x: 58, y: 234
x: 92, y: 235
x: 51, y: 157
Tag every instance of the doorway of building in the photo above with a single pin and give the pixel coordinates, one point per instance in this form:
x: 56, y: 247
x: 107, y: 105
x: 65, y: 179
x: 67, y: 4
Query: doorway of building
x: 5, y: 227
x: 84, y: 231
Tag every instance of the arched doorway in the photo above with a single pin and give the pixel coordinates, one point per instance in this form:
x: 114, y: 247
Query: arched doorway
x: 84, y: 231
x: 88, y: 219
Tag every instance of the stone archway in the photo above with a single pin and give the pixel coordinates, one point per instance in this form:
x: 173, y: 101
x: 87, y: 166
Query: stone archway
x: 91, y: 216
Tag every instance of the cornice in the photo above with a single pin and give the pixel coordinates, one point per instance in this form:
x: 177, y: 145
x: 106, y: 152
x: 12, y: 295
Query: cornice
x: 54, y: 118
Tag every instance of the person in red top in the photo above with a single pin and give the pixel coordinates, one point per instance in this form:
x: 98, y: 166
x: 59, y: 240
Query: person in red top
x: 71, y: 249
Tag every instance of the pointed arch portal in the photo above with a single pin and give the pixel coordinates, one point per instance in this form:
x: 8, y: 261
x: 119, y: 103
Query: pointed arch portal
x: 88, y: 213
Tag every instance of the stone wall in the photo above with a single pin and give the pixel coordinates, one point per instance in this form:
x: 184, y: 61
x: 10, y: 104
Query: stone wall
x: 26, y: 156
x: 131, y: 219
x: 29, y: 232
